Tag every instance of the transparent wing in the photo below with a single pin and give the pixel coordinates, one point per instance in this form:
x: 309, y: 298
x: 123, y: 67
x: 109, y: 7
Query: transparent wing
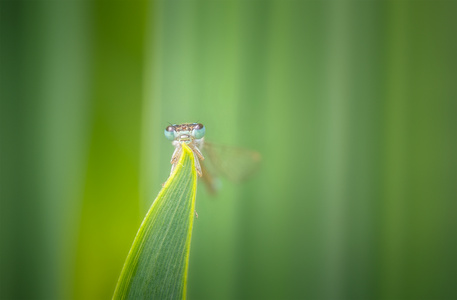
x: 212, y: 183
x: 235, y: 163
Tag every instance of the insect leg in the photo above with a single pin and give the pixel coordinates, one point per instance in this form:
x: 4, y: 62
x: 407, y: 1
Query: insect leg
x: 175, y: 158
x: 197, y: 165
x: 197, y: 151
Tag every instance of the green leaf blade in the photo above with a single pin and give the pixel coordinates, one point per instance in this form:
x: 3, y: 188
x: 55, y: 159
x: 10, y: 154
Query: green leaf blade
x: 156, y: 266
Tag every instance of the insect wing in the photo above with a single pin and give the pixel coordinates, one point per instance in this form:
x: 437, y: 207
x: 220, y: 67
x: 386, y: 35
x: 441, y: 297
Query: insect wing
x: 212, y: 183
x: 235, y: 163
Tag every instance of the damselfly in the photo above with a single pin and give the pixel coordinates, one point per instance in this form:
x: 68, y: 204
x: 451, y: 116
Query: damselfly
x: 233, y: 162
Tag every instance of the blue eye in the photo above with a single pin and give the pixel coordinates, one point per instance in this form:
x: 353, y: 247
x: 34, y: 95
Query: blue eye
x: 199, y: 131
x: 170, y: 133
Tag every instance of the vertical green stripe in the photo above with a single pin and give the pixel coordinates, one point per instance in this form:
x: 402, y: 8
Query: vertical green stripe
x: 110, y: 204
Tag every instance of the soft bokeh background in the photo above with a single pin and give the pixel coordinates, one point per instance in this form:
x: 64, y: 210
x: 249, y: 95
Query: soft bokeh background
x: 353, y: 105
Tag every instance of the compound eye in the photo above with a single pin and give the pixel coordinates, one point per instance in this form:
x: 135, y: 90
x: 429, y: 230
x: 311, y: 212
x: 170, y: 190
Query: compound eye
x: 170, y: 133
x: 199, y: 131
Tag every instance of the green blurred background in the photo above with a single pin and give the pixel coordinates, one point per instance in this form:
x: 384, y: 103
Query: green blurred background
x: 353, y: 105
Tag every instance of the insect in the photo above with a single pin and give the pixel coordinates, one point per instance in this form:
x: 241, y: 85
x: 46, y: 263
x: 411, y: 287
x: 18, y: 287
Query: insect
x: 233, y: 162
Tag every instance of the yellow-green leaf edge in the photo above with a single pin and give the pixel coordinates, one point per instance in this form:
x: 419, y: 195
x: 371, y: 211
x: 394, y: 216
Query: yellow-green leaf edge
x: 143, y: 276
